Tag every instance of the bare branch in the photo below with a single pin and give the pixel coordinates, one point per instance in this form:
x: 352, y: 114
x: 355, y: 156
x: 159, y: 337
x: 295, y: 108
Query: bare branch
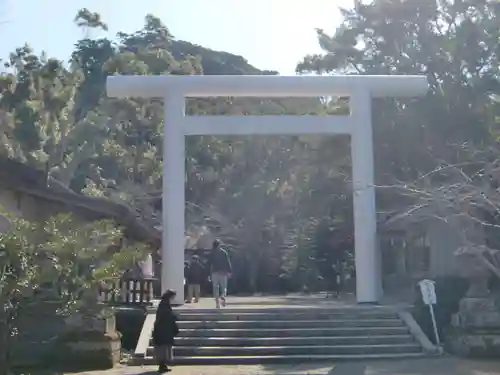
x: 465, y: 196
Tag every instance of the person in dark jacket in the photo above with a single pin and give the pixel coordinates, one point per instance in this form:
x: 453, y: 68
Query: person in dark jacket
x: 220, y: 271
x: 164, y: 332
x: 335, y: 280
x: 195, y: 276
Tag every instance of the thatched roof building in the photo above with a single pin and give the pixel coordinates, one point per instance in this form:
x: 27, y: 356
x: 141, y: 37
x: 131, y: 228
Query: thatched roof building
x: 24, y: 180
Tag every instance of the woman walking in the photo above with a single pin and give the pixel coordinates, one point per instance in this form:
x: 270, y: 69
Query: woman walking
x: 164, y: 332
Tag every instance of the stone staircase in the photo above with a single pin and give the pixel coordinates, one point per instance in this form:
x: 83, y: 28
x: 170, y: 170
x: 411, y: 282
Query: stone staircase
x: 265, y: 335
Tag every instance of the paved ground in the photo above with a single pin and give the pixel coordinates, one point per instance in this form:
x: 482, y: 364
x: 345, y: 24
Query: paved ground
x: 289, y: 301
x: 434, y: 366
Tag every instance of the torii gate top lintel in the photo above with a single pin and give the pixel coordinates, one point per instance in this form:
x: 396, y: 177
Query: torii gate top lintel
x: 266, y: 86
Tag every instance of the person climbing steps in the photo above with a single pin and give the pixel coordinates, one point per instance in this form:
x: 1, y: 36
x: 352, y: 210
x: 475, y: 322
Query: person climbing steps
x: 220, y: 271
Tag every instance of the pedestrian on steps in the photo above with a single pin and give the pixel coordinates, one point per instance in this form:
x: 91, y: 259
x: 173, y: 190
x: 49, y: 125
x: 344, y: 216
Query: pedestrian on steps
x: 186, y: 270
x: 195, y: 276
x: 164, y: 332
x: 337, y: 279
x: 220, y: 271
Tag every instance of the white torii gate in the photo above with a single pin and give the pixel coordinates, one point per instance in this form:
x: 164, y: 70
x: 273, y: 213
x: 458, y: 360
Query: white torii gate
x: 358, y: 124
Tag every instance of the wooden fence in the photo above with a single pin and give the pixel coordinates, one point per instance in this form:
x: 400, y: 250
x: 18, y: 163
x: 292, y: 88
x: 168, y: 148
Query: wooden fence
x: 128, y: 291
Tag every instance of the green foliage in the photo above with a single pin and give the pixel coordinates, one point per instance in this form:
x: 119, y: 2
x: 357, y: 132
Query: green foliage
x: 81, y: 260
x: 298, y: 263
x: 435, y: 38
x: 58, y: 118
x: 20, y: 272
x: 259, y: 194
x: 455, y: 44
x: 86, y: 18
x: 61, y: 260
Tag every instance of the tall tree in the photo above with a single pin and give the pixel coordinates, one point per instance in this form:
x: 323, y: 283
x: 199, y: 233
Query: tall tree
x: 454, y: 43
x: 260, y: 194
x: 89, y: 20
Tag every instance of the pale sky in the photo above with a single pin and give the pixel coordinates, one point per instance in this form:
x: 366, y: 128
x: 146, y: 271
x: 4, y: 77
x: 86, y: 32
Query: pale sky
x: 270, y: 34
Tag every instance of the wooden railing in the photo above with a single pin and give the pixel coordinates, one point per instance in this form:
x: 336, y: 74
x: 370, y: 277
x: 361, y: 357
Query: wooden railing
x: 128, y: 291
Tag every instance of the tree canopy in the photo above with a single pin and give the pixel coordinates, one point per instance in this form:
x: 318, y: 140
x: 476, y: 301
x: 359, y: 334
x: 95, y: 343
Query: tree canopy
x: 279, y: 203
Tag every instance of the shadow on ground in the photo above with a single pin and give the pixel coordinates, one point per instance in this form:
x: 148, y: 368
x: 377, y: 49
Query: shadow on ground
x: 427, y: 366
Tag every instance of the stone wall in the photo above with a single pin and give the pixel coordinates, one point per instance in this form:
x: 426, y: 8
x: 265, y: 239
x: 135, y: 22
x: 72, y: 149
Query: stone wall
x: 56, y: 344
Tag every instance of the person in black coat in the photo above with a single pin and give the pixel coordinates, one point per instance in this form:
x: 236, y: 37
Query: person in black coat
x: 164, y: 332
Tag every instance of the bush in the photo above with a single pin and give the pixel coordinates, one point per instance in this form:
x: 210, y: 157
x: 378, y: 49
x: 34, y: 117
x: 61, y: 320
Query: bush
x: 449, y: 291
x: 129, y: 322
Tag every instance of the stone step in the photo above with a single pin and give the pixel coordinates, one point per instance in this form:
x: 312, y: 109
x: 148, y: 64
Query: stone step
x: 285, y: 310
x: 287, y: 324
x: 248, y: 336
x: 249, y: 360
x: 295, y: 315
x: 294, y: 332
x: 293, y: 341
x: 215, y: 351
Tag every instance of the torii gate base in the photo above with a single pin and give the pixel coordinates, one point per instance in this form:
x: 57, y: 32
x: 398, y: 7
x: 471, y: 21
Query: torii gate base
x: 360, y: 89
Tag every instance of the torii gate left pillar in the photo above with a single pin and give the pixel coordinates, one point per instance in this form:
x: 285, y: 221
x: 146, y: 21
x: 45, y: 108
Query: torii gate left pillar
x: 361, y: 89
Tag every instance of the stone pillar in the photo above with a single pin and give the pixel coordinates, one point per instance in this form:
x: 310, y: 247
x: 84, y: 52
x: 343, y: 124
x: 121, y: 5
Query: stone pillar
x: 368, y: 283
x: 173, y: 202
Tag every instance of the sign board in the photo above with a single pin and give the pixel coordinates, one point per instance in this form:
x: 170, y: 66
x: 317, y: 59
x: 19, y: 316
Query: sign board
x: 428, y: 291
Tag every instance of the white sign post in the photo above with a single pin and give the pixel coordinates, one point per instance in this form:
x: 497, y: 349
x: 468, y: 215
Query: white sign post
x: 429, y: 297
